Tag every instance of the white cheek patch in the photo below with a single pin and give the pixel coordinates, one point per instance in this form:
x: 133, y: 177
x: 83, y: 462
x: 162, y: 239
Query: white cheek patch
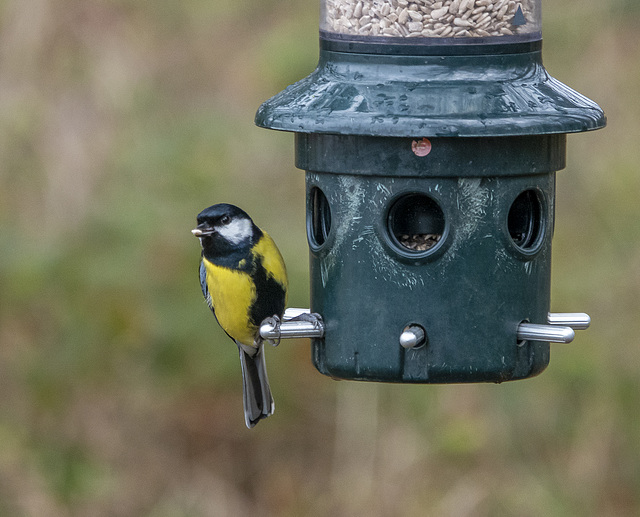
x: 236, y: 231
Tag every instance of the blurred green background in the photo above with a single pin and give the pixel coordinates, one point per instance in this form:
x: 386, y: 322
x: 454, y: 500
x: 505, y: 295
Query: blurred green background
x: 119, y: 121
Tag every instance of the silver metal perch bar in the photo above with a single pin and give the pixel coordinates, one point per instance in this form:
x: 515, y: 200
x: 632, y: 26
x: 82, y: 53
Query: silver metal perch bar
x: 560, y: 328
x: 575, y: 320
x: 294, y: 312
x: 412, y: 337
x: 551, y: 333
x: 311, y: 326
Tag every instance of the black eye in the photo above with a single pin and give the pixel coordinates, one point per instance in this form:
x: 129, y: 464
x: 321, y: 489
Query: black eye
x: 225, y: 219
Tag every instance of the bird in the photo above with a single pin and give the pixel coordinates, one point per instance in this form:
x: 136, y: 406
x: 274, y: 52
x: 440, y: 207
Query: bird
x: 244, y: 281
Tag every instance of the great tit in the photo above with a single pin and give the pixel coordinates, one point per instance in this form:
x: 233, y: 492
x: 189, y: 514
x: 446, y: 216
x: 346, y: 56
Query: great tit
x: 244, y: 281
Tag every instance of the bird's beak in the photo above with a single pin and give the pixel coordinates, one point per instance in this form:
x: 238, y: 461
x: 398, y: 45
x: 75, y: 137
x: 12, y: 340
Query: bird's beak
x: 202, y: 230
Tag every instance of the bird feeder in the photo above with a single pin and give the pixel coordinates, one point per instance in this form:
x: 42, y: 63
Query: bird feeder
x: 431, y: 134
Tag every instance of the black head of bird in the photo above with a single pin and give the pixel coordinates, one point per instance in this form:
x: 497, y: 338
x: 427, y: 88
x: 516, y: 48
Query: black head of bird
x: 224, y: 231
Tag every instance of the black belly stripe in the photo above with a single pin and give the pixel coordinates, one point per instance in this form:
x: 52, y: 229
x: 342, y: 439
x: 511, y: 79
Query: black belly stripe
x: 270, y: 297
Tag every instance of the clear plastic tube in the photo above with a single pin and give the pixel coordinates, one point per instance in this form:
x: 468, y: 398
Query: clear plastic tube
x: 431, y: 20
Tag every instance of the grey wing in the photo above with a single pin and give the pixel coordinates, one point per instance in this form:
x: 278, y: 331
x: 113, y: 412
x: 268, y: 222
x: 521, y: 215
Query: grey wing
x: 204, y: 287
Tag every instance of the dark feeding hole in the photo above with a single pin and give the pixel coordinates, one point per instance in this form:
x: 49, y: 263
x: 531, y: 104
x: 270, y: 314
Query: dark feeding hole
x: 320, y: 214
x: 416, y: 222
x: 525, y: 222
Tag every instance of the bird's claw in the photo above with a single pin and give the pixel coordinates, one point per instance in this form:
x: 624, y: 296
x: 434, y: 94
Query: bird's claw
x: 311, y: 317
x: 273, y: 321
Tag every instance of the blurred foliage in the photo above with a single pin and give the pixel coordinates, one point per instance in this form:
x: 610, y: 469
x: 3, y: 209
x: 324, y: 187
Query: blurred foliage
x: 119, y: 121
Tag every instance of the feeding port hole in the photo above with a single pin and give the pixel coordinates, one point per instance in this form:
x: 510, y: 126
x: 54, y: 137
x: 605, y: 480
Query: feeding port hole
x: 319, y: 217
x: 525, y: 220
x: 416, y: 222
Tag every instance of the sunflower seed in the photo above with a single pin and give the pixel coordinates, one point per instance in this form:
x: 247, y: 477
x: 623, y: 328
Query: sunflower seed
x: 426, y: 18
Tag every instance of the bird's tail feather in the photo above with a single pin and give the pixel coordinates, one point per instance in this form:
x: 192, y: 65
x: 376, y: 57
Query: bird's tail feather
x: 256, y: 394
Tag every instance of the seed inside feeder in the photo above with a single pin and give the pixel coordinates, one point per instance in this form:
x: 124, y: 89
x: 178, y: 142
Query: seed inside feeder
x: 420, y: 241
x: 431, y: 18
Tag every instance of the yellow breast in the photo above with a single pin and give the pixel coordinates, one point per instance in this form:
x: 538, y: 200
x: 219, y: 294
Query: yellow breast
x: 232, y: 293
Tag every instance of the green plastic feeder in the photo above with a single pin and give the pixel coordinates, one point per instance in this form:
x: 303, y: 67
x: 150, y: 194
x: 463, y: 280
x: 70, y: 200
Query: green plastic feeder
x: 431, y: 138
